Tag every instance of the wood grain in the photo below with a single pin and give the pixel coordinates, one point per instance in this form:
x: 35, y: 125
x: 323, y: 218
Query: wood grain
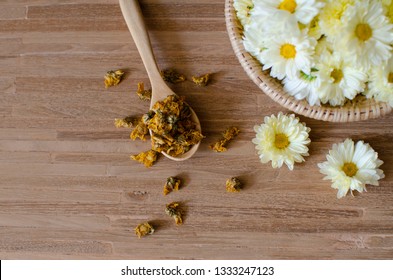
x: 69, y: 191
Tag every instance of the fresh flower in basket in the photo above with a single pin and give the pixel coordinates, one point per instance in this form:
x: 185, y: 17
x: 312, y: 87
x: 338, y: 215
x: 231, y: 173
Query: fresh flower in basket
x: 326, y: 52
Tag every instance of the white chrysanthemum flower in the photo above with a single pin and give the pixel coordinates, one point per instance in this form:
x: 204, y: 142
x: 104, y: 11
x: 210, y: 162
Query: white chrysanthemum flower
x: 302, y: 10
x: 286, y: 54
x: 322, y: 46
x: 282, y: 139
x: 381, y: 83
x: 330, y: 17
x: 254, y: 39
x: 314, y: 29
x: 304, y: 86
x: 339, y: 79
x: 243, y: 9
x: 368, y: 34
x: 351, y: 167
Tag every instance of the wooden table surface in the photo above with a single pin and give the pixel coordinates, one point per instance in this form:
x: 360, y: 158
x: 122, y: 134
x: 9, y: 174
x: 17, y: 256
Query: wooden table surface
x: 68, y: 189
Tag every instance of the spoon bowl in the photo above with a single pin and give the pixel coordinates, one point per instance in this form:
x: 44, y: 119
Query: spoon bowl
x: 133, y: 16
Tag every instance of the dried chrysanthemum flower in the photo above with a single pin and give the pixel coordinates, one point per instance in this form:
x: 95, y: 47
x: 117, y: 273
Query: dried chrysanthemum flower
x: 172, y: 183
x: 172, y: 129
x: 147, y: 158
x: 172, y: 76
x: 173, y: 209
x: 128, y: 121
x: 140, y: 130
x: 113, y: 78
x: 228, y: 135
x: 142, y: 92
x: 143, y: 229
x: 201, y: 80
x: 233, y: 185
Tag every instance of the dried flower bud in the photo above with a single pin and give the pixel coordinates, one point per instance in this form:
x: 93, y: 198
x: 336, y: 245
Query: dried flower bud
x: 113, y: 78
x: 233, y: 185
x: 148, y: 116
x: 173, y: 210
x: 201, y: 80
x: 172, y: 76
x: 172, y: 119
x: 172, y: 183
x: 142, y: 93
x: 143, y: 229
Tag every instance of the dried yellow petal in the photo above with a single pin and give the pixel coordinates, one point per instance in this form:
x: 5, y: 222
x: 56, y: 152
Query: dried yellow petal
x: 113, y: 78
x: 143, y: 229
x: 233, y: 185
x: 173, y: 210
x: 228, y: 135
x: 142, y: 93
x: 172, y: 184
x: 201, y: 80
x: 147, y: 158
x: 172, y: 76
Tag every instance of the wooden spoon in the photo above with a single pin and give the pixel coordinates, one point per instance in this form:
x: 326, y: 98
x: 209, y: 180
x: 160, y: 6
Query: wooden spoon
x: 134, y: 19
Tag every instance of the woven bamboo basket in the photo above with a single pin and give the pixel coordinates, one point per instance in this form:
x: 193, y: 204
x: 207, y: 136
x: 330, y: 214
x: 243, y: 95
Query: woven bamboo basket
x: 358, y: 109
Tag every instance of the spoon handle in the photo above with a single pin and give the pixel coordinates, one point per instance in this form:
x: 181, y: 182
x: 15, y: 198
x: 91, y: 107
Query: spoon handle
x: 133, y: 16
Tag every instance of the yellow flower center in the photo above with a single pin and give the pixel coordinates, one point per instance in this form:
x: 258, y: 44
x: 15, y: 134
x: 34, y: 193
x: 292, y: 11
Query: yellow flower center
x: 363, y: 31
x: 288, y: 51
x: 337, y: 75
x: 390, y: 78
x: 350, y: 169
x: 281, y: 141
x: 288, y: 5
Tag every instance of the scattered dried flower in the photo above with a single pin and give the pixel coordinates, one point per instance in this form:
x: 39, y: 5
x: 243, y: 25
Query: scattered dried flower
x: 172, y: 76
x: 113, y: 78
x: 147, y: 158
x: 143, y: 229
x: 228, y: 135
x: 173, y: 209
x: 233, y: 185
x: 172, y: 183
x: 128, y: 122
x: 201, y: 80
x: 142, y: 93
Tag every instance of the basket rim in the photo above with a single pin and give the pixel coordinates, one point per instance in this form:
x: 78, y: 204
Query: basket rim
x: 369, y: 109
